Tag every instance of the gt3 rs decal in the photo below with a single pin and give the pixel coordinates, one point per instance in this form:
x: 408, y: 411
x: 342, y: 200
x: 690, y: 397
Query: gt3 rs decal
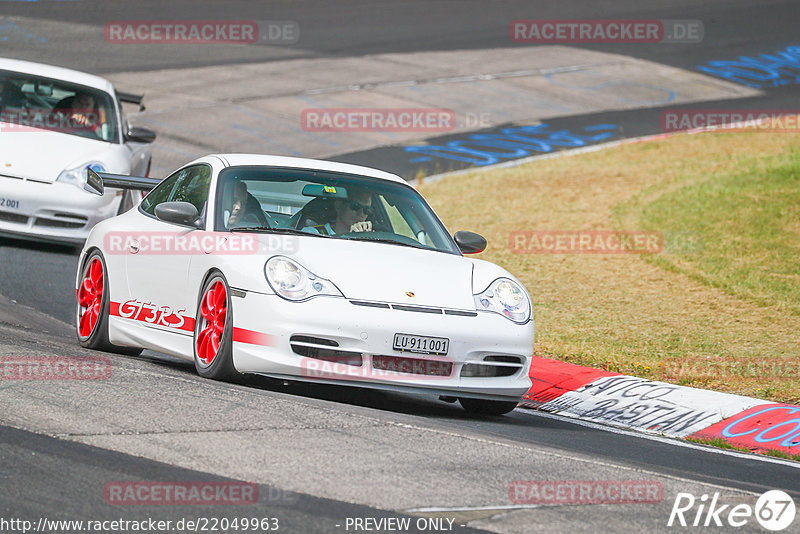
x: 153, y: 314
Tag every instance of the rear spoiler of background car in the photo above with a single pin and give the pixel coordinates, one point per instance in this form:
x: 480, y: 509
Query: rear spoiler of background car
x: 131, y: 98
x: 97, y: 182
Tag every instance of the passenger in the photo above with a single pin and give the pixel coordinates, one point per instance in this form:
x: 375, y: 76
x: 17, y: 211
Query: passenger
x: 245, y: 206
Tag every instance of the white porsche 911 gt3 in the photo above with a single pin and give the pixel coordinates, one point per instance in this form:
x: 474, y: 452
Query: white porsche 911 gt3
x: 304, y: 270
x: 54, y: 124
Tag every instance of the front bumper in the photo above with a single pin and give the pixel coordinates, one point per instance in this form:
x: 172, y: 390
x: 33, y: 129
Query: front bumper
x: 265, y: 325
x: 51, y: 212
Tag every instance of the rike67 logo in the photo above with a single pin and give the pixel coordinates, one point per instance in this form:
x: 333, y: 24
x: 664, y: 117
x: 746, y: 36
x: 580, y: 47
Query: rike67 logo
x: 774, y: 510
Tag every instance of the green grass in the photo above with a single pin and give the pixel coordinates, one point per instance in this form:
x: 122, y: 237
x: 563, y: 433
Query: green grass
x: 737, y: 231
x: 722, y: 444
x: 719, y: 443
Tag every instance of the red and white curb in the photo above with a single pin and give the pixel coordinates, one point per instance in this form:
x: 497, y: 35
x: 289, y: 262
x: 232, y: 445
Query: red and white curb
x: 660, y: 408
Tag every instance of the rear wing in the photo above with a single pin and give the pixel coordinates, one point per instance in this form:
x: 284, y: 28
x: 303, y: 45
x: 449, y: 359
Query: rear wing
x: 97, y: 182
x: 131, y: 98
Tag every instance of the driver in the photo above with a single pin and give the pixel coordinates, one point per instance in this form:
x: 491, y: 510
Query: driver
x: 84, y: 114
x: 351, y: 214
x: 245, y: 206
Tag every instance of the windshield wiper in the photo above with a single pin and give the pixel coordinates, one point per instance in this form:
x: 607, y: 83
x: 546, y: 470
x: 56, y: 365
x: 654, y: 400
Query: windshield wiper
x: 251, y: 229
x: 269, y: 229
x: 388, y: 241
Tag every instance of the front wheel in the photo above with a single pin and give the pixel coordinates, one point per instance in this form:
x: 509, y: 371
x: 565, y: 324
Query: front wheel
x: 92, y: 310
x: 213, y: 332
x: 487, y: 407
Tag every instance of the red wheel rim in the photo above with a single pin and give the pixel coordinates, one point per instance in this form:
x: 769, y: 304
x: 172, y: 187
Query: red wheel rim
x: 213, y: 311
x: 90, y: 298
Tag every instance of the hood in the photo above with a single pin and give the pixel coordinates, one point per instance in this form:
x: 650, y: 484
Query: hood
x: 384, y: 273
x: 41, y: 155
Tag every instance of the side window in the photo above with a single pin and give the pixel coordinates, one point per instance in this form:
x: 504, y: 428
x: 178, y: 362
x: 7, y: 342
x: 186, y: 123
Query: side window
x: 187, y: 185
x: 123, y: 119
x: 159, y: 194
x: 192, y: 187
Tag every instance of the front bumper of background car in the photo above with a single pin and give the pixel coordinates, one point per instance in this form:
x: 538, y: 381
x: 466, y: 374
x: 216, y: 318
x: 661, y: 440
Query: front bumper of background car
x: 51, y: 212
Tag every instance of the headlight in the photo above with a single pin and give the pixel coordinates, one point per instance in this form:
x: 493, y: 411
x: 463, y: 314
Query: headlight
x: 506, y: 297
x: 292, y: 281
x: 77, y: 176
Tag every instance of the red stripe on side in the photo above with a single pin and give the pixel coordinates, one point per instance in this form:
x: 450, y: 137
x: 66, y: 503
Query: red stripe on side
x: 114, y: 308
x: 552, y: 378
x: 243, y: 335
x: 188, y: 324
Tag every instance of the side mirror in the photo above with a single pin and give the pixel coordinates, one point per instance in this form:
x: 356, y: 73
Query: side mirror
x: 470, y: 242
x: 94, y: 183
x: 181, y: 213
x: 137, y: 134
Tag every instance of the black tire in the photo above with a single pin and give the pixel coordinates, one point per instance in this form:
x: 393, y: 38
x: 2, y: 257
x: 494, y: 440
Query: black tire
x: 220, y: 366
x: 95, y: 336
x: 487, y: 407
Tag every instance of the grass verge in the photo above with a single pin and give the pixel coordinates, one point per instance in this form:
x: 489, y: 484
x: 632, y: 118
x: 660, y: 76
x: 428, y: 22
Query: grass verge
x: 722, y: 444
x: 717, y: 308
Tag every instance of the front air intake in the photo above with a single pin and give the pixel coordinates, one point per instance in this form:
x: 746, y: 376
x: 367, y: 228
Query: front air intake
x: 492, y: 367
x: 322, y: 349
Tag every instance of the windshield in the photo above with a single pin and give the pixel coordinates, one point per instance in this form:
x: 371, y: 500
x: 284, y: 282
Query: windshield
x: 29, y: 102
x: 329, y: 204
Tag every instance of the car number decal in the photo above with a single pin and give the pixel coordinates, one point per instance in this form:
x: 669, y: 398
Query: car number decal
x: 9, y: 203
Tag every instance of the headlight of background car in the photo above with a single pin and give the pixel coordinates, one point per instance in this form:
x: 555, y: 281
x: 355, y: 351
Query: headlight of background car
x: 292, y: 281
x: 506, y: 297
x: 77, y: 176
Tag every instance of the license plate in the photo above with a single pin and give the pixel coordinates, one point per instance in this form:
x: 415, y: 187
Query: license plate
x: 421, y: 344
x: 9, y: 203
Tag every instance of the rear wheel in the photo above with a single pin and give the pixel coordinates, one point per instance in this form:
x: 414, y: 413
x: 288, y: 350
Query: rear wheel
x: 92, y: 310
x: 487, y: 407
x: 213, y: 331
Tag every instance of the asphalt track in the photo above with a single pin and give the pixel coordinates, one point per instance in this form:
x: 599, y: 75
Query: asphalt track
x: 60, y: 468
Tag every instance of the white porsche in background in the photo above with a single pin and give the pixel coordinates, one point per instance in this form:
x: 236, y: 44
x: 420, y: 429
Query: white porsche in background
x: 54, y: 124
x: 241, y: 264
